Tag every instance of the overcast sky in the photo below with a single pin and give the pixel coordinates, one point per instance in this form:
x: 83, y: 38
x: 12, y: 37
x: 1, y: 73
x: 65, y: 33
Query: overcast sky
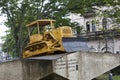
x: 3, y: 28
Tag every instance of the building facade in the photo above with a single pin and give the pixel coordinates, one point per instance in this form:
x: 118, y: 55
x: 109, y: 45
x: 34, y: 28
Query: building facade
x: 4, y: 55
x: 100, y: 34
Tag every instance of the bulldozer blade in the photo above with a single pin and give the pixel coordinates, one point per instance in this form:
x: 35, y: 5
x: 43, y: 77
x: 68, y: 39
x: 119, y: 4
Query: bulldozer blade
x: 47, y: 57
x: 73, y: 44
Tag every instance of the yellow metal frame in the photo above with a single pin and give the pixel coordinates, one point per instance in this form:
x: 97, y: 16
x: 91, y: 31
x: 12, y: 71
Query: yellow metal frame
x: 49, y: 42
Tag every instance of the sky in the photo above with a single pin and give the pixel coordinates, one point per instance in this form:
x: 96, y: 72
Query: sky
x: 3, y: 28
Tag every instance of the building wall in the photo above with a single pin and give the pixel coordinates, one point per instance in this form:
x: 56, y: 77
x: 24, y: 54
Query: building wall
x: 77, y: 18
x: 98, y: 45
x: 25, y: 69
x: 98, y: 22
x: 11, y: 70
x: 117, y: 45
x: 85, y: 66
x: 36, y: 69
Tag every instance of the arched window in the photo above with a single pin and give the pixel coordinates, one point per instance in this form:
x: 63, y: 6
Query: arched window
x: 92, y: 49
x: 106, y: 48
x: 104, y: 23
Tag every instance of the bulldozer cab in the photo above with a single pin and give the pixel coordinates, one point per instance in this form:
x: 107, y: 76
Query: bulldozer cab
x: 37, y: 28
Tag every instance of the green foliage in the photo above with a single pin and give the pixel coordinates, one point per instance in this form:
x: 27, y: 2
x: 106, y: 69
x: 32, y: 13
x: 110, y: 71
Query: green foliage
x: 105, y: 77
x: 83, y: 6
x: 116, y: 71
x: 21, y: 12
x: 116, y: 77
x: 86, y: 6
x: 116, y: 29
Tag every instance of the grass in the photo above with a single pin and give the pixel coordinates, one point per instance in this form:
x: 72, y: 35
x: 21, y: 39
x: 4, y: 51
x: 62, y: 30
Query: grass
x: 105, y: 77
x: 116, y: 77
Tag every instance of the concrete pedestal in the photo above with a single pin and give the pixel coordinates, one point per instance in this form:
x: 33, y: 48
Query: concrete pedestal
x: 74, y: 66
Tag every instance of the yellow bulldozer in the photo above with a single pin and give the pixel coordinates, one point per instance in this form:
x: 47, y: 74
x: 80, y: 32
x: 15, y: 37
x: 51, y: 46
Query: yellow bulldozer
x: 46, y: 39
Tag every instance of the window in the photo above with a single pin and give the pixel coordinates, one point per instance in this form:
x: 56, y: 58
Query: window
x: 92, y: 49
x: 76, y: 67
x: 88, y: 26
x: 106, y: 50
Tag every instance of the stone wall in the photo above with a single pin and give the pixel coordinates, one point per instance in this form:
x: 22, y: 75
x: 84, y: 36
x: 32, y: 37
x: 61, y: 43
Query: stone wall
x: 36, y: 69
x: 11, y: 70
x: 85, y: 65
x: 92, y: 65
x: 25, y: 70
x: 74, y: 66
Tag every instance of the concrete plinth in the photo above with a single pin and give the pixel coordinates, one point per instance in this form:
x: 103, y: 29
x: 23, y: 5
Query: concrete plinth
x: 25, y: 69
x: 85, y: 66
x: 74, y: 66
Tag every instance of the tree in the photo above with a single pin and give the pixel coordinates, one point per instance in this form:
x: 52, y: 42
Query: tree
x: 15, y: 16
x: 21, y: 12
x: 84, y: 6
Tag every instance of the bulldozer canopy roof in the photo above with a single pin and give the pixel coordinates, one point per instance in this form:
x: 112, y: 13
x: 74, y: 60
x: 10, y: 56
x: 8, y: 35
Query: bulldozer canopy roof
x: 40, y: 22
